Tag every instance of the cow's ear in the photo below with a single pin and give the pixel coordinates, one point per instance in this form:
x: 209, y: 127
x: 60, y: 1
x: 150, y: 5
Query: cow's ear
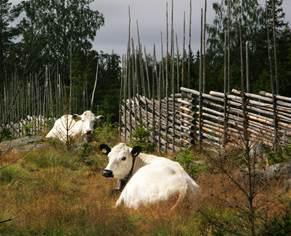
x: 136, y: 150
x: 99, y: 118
x: 104, y: 148
x: 76, y: 117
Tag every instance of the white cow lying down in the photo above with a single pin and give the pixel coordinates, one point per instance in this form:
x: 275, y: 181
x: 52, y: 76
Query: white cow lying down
x: 152, y: 179
x: 70, y: 126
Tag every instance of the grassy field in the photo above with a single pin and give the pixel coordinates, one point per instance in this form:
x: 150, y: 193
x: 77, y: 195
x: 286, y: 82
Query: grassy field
x: 58, y: 192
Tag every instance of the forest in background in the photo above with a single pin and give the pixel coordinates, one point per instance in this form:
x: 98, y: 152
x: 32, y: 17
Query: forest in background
x: 35, y: 35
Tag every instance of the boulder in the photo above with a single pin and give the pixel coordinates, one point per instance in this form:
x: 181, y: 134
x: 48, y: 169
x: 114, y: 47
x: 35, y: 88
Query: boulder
x: 23, y: 144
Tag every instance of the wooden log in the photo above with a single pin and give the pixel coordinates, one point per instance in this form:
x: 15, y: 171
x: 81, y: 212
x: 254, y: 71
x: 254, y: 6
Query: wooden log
x: 186, y: 116
x: 187, y: 110
x: 254, y: 96
x: 185, y: 102
x: 278, y: 97
x: 254, y: 102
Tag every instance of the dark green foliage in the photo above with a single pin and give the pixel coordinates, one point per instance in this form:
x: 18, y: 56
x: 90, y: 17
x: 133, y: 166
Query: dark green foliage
x: 253, y: 26
x: 6, y: 32
x: 27, y: 129
x: 106, y: 99
x: 279, y: 226
x: 5, y: 134
x: 282, y: 155
x: 141, y: 137
x: 192, y: 166
x: 87, y: 155
x: 52, y: 27
x: 107, y: 94
x: 107, y: 133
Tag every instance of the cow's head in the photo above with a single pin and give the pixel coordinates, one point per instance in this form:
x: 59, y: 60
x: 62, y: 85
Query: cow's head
x: 88, y: 120
x: 120, y: 160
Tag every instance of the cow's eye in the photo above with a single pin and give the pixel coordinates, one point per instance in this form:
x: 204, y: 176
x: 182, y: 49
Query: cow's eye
x: 123, y: 158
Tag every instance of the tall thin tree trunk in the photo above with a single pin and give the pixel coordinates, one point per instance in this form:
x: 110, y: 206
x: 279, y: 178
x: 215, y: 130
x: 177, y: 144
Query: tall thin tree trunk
x: 273, y: 83
x: 120, y: 97
x: 201, y: 81
x: 184, y: 50
x: 125, y: 97
x: 275, y: 49
x: 167, y: 73
x: 95, y: 85
x: 189, y: 46
x: 71, y: 80
x: 204, y: 48
x: 228, y: 44
x: 142, y: 76
x: 173, y: 74
x: 225, y: 87
x: 247, y: 68
x: 129, y: 73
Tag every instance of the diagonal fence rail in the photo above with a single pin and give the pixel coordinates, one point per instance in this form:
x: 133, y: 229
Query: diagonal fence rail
x: 195, y: 118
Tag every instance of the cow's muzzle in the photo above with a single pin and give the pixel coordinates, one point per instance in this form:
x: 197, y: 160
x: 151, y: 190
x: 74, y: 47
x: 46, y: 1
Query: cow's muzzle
x: 89, y: 132
x: 88, y: 137
x: 107, y: 173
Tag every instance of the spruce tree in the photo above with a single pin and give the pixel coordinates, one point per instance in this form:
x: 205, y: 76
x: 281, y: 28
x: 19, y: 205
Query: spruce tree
x: 6, y: 32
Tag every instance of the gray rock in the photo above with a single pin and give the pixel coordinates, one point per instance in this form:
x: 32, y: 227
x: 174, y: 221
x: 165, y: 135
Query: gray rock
x: 23, y: 144
x: 279, y: 170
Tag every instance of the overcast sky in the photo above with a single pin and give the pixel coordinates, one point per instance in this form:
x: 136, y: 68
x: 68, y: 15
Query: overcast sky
x: 151, y: 17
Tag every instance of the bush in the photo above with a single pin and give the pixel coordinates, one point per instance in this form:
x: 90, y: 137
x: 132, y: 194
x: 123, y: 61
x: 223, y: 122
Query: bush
x: 192, y: 166
x: 141, y: 137
x: 105, y: 134
x: 27, y: 129
x: 282, y: 155
x: 5, y: 134
x: 87, y: 155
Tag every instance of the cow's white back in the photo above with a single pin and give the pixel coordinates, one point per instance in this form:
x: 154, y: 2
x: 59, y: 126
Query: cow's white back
x: 70, y: 126
x: 154, y: 178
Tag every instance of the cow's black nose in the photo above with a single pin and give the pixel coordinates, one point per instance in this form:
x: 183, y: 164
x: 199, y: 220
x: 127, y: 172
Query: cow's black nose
x: 107, y: 173
x: 89, y: 132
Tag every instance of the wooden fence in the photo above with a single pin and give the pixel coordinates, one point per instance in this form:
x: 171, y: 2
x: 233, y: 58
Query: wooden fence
x: 28, y: 126
x: 214, y: 118
x: 29, y: 102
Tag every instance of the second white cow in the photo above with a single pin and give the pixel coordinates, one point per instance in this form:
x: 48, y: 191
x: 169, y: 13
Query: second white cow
x: 69, y: 127
x: 151, y: 179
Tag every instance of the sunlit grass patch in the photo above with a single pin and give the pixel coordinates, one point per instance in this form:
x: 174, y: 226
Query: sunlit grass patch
x: 12, y: 173
x: 52, y: 158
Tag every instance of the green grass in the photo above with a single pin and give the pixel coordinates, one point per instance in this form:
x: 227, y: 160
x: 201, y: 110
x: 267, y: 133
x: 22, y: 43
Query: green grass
x: 13, y: 173
x: 56, y: 192
x: 52, y: 158
x: 59, y: 192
